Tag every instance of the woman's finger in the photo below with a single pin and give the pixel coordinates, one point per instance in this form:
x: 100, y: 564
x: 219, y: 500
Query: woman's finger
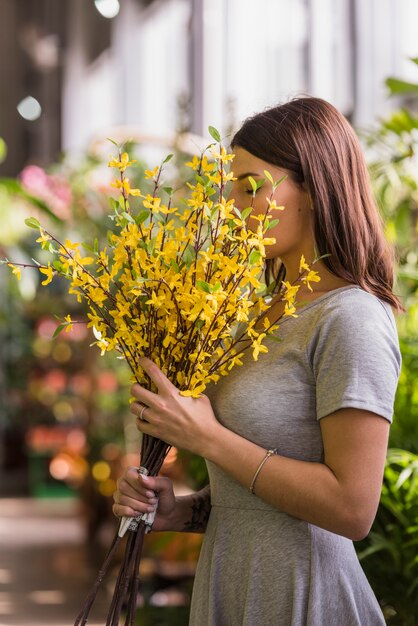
x: 157, y: 376
x: 137, y: 508
x: 144, y: 395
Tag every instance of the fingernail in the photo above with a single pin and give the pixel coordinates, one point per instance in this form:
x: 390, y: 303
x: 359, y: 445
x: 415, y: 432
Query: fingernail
x: 150, y: 494
x: 144, y: 477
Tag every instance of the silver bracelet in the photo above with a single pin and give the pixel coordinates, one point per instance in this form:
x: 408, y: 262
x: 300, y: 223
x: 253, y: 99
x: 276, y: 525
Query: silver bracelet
x: 269, y: 453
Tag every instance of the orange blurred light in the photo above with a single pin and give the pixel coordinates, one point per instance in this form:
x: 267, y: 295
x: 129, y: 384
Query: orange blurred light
x: 59, y: 467
x: 107, y: 487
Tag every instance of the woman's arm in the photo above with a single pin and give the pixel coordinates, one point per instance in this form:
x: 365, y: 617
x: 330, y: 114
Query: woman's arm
x: 341, y: 494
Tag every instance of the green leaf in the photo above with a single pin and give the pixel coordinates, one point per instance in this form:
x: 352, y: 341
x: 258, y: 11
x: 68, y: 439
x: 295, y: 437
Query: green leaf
x: 112, y: 141
x: 151, y: 245
x: 189, y: 255
x: 168, y: 158
x: 158, y: 217
x: 278, y: 182
x: 59, y: 330
x: 128, y: 217
x: 168, y: 190
x: 96, y: 246
x: 204, y: 286
x: 268, y: 176
x: 414, y: 60
x: 213, y: 132
x: 261, y: 182
x: 246, y: 212
x: 175, y: 265
x: 32, y: 222
x: 252, y: 183
x: 57, y: 265
x: 141, y: 217
x: 254, y: 256
x: 216, y: 287
x: 396, y: 86
x: 272, y: 224
x: 114, y: 204
x: 109, y: 236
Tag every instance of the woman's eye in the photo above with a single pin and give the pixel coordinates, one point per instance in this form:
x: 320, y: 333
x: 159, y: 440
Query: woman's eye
x: 250, y: 192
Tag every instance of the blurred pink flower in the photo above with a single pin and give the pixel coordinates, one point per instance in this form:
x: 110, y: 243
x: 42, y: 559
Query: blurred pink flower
x: 52, y: 189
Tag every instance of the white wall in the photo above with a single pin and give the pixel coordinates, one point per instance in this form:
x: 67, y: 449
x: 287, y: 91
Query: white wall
x: 233, y: 58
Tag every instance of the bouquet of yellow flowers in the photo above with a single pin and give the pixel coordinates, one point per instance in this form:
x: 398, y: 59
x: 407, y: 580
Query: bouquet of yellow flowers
x: 179, y: 285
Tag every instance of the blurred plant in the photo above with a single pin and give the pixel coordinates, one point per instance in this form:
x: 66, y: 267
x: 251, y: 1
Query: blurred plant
x: 389, y: 553
x: 393, y: 149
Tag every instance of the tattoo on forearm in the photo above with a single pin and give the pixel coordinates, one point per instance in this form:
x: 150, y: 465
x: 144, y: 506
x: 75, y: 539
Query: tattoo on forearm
x: 199, y: 512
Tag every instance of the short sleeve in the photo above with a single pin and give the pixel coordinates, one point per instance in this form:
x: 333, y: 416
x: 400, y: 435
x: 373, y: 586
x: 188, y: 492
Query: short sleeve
x: 355, y: 357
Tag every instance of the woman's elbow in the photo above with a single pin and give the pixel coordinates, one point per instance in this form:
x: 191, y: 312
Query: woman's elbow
x: 358, y: 523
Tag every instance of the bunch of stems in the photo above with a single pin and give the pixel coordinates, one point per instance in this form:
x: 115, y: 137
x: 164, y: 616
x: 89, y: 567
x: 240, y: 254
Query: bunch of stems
x: 182, y: 287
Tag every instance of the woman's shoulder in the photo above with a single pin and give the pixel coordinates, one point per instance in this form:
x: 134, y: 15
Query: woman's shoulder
x: 354, y: 305
x: 351, y: 317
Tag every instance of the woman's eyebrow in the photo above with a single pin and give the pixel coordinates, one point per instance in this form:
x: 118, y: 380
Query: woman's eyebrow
x: 242, y: 176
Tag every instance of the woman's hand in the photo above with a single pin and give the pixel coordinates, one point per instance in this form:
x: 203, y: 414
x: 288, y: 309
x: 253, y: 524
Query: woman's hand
x: 137, y: 494
x: 184, y: 422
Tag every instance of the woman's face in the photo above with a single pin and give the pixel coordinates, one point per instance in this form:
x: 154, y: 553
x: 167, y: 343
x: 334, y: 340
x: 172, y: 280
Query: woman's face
x: 294, y: 233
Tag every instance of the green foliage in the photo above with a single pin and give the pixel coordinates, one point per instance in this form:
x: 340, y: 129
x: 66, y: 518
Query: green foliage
x: 394, y: 172
x: 389, y: 554
x: 214, y: 133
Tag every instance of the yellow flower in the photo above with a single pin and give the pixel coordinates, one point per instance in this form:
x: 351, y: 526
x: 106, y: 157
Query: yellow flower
x: 289, y: 310
x: 273, y: 206
x: 179, y: 285
x: 290, y: 291
x: 16, y: 270
x: 303, y: 265
x: 69, y: 323
x: 151, y: 173
x: 121, y: 164
x: 201, y: 164
x: 125, y: 187
x: 49, y: 273
x: 311, y: 277
x: 44, y: 239
x: 222, y: 155
x: 258, y: 347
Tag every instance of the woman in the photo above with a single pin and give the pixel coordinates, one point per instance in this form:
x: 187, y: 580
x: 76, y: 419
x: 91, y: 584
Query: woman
x: 295, y: 443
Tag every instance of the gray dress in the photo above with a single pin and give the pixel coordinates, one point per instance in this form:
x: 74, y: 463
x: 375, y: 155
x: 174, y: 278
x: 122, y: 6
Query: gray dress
x: 259, y: 566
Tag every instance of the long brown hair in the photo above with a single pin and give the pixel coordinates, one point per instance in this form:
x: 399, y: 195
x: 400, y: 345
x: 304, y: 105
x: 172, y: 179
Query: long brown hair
x: 313, y: 141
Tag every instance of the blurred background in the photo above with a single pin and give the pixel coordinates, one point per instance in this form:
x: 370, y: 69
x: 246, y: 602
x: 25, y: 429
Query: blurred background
x: 157, y: 74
